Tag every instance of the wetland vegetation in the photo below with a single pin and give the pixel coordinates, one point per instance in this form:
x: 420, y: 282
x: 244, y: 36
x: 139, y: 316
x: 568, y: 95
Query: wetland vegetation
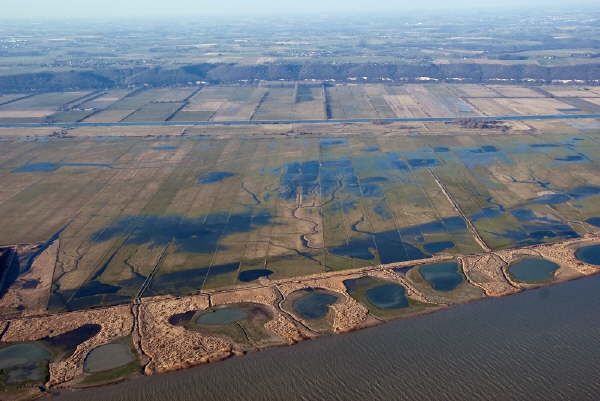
x: 384, y: 299
x: 222, y: 213
x: 21, y: 364
x: 292, y: 207
x: 242, y: 322
x: 312, y: 306
x: 110, y: 363
x: 177, y: 194
x: 25, y: 365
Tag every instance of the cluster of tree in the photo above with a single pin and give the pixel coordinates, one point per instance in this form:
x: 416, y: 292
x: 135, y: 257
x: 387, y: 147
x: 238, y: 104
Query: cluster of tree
x: 234, y: 73
x: 481, y: 124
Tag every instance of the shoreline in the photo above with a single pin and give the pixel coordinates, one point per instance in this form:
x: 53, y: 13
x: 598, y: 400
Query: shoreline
x: 59, y: 391
x: 163, y: 347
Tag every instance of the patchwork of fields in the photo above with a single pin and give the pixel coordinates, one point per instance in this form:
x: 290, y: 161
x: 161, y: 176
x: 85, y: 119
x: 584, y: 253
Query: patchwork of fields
x: 298, y: 101
x: 143, y: 217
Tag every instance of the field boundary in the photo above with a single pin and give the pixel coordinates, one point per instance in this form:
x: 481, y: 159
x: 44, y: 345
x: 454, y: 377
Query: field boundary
x: 270, y: 122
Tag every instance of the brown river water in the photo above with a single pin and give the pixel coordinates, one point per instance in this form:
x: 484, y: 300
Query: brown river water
x: 538, y: 345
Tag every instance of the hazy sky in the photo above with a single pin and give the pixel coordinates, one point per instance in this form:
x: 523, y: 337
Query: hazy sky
x: 146, y: 8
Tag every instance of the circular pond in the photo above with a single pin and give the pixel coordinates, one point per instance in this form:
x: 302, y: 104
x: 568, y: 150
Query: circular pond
x: 388, y: 296
x: 24, y: 362
x: 443, y: 276
x: 532, y: 270
x: 589, y: 254
x: 106, y: 357
x: 314, y: 305
x: 222, y: 316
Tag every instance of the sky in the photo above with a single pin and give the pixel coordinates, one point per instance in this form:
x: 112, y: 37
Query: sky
x: 168, y: 8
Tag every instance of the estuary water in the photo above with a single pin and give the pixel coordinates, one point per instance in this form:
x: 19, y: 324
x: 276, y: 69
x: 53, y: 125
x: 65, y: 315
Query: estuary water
x: 542, y: 344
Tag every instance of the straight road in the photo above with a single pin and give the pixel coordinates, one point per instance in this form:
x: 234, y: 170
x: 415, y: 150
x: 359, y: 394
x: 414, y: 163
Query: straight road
x: 267, y: 122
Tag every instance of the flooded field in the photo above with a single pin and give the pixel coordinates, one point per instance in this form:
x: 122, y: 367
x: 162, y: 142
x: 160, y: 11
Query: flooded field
x: 156, y: 216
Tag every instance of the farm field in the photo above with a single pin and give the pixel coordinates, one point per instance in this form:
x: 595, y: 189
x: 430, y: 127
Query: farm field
x: 37, y: 108
x: 188, y: 184
x: 309, y: 102
x: 11, y: 97
x: 277, y: 104
x: 222, y: 103
x: 272, y: 101
x: 138, y: 217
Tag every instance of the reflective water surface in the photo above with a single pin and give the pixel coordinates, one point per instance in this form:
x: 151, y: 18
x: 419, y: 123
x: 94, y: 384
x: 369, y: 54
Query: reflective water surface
x: 462, y: 353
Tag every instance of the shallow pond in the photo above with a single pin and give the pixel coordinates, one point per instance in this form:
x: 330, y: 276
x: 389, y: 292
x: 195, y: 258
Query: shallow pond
x: 24, y: 362
x: 314, y: 305
x: 435, y: 247
x: 37, y: 167
x: 551, y: 199
x: 222, y: 316
x: 570, y: 158
x: 106, y: 357
x: 242, y: 322
x: 589, y: 254
x: 423, y: 163
x: 532, y: 270
x: 388, y: 296
x: 46, y: 167
x: 251, y: 275
x: 214, y: 176
x: 595, y: 221
x: 443, y: 276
